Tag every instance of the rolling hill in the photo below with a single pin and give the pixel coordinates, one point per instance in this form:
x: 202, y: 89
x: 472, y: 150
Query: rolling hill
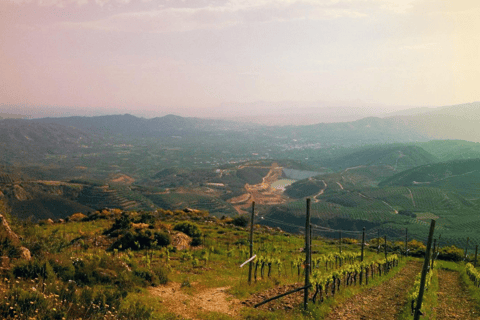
x: 461, y: 176
x: 25, y: 141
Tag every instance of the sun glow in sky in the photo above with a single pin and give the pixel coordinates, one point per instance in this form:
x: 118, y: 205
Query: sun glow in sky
x: 161, y: 56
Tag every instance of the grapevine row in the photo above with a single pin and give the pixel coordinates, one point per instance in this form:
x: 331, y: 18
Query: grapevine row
x: 473, y: 274
x: 323, y: 283
x: 416, y: 287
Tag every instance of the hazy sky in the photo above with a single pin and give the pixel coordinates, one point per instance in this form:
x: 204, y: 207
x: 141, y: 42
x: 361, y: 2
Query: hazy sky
x: 142, y: 56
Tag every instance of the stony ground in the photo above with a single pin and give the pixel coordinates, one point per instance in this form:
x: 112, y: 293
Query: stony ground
x: 285, y: 303
x: 380, y: 302
x: 453, y: 299
x: 191, y: 306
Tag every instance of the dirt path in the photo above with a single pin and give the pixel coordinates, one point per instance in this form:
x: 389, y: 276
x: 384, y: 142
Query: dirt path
x: 321, y: 192
x: 380, y: 302
x: 453, y: 299
x: 192, y: 306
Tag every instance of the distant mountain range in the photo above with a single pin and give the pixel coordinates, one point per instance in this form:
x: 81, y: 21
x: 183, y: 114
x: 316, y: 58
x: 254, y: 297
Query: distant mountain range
x: 27, y: 140
x: 128, y: 125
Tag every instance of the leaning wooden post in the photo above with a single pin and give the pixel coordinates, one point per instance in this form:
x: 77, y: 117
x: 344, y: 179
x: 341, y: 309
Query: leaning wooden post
x: 307, y: 258
x: 363, y: 243
x: 475, y: 261
x: 433, y: 254
x: 424, y: 272
x: 385, y: 237
x: 310, y: 248
x: 466, y: 248
x: 406, y: 242
x: 378, y: 241
x: 340, y: 240
x: 250, y: 265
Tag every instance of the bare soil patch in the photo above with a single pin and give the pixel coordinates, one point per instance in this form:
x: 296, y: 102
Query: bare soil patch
x: 284, y: 303
x: 453, y: 299
x: 122, y: 178
x: 381, y: 302
x: 191, y: 306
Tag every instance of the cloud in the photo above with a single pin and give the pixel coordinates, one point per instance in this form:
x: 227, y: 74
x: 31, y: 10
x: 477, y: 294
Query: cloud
x: 64, y: 3
x: 164, y: 19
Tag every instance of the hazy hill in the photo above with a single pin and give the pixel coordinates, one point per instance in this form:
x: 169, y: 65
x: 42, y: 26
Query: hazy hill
x: 370, y: 130
x: 131, y: 126
x: 446, y: 150
x: 25, y: 140
x: 461, y: 176
x: 398, y: 156
x: 450, y: 122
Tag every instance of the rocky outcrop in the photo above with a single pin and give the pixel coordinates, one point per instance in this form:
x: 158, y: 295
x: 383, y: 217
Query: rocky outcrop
x: 12, y: 236
x: 25, y: 254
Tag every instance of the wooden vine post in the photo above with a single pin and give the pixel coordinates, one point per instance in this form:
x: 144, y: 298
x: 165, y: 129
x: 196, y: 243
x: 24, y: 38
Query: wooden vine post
x: 433, y: 253
x: 363, y: 244
x: 310, y: 248
x: 307, y: 258
x: 250, y: 265
x: 466, y: 248
x: 475, y: 261
x: 340, y: 240
x: 378, y: 241
x: 426, y: 263
x: 385, y: 238
x: 406, y: 242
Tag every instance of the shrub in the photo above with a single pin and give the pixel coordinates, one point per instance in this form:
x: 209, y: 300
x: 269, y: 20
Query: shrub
x: 451, y: 253
x: 63, y: 268
x: 33, y: 269
x: 142, y: 239
x: 135, y: 310
x: 162, y: 238
x: 20, y: 301
x: 121, y: 223
x: 147, y: 217
x: 196, y: 242
x: 147, y: 275
x: 162, y: 274
x: 240, y: 221
x: 9, y: 248
x: 190, y: 229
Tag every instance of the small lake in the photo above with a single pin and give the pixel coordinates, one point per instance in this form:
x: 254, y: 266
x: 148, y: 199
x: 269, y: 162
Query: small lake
x: 282, y: 183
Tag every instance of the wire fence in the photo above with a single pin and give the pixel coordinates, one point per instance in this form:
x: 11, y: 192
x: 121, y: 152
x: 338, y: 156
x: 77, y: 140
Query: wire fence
x: 332, y: 224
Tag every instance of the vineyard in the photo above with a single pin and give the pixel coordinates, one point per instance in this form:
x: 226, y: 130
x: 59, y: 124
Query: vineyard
x: 199, y: 274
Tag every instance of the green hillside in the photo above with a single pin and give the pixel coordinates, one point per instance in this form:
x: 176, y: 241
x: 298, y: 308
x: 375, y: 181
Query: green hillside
x: 461, y: 176
x: 350, y: 204
x: 398, y: 156
x: 175, y: 201
x: 447, y: 150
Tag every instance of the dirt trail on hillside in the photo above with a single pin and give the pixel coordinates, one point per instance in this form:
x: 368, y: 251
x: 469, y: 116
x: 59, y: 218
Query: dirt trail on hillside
x: 192, y: 306
x: 453, y: 299
x: 381, y: 302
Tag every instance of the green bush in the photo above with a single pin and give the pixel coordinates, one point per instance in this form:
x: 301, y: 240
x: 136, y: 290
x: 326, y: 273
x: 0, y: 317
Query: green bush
x: 143, y: 239
x: 162, y: 239
x: 147, y: 275
x: 33, y: 269
x: 147, y: 217
x: 451, y: 253
x: 190, y: 229
x: 121, y: 224
x: 162, y: 273
x: 135, y: 310
x: 9, y: 248
x: 240, y: 221
x: 62, y: 267
x: 19, y: 301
